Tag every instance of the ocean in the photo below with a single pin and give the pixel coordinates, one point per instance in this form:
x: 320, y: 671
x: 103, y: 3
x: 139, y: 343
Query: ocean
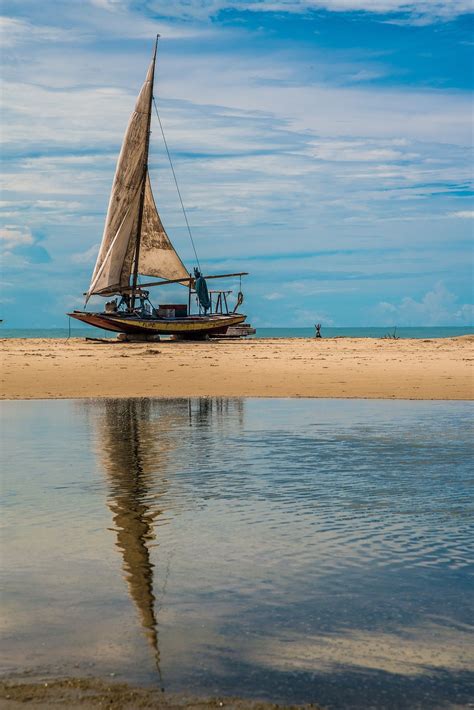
x: 303, y: 551
x: 326, y: 332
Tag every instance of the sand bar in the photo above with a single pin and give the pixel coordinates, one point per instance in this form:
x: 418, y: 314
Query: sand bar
x: 293, y: 367
x: 89, y: 693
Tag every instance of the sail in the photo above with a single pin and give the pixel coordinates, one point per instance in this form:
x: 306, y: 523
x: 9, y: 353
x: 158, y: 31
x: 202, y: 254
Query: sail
x: 109, y: 274
x: 113, y: 266
x: 157, y: 255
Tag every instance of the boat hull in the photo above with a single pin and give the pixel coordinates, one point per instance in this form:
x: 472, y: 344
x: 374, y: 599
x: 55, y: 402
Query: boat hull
x: 187, y: 327
x: 241, y: 330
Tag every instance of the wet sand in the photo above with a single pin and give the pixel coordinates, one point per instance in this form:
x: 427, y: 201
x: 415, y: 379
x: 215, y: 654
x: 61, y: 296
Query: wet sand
x: 293, y: 367
x: 87, y: 693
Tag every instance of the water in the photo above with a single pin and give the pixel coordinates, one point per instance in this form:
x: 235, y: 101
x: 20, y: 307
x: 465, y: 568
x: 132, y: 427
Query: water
x: 327, y: 332
x: 373, y: 332
x: 292, y: 550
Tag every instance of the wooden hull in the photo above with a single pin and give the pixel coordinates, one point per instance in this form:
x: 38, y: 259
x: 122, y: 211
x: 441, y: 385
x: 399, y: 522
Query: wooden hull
x: 241, y: 330
x: 187, y: 327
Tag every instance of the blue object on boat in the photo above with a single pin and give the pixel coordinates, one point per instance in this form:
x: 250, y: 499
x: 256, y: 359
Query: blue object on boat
x: 200, y: 287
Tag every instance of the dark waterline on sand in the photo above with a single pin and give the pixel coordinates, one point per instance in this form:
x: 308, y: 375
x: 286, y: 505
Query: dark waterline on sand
x: 292, y: 550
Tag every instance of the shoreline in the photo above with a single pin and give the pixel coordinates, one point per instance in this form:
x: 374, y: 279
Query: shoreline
x: 340, y: 367
x: 88, y: 693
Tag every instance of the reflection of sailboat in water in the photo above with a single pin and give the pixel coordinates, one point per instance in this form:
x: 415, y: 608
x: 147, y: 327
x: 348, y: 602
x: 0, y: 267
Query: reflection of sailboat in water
x: 131, y: 457
x: 139, y: 442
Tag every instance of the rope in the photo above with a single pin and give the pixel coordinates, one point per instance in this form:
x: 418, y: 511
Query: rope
x: 176, y: 183
x: 240, y: 300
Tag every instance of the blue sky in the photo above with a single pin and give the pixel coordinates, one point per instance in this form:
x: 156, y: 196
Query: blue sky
x: 323, y: 146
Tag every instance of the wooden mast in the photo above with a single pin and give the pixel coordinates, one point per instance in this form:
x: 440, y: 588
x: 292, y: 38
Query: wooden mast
x: 142, y: 190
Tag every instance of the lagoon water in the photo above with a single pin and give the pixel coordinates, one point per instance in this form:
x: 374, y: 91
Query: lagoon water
x: 291, y: 550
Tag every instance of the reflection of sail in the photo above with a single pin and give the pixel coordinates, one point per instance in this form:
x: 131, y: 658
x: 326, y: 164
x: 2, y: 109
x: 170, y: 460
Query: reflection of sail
x: 131, y: 454
x: 140, y: 442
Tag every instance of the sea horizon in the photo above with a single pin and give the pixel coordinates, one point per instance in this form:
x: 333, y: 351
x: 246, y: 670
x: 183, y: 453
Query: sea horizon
x: 417, y: 332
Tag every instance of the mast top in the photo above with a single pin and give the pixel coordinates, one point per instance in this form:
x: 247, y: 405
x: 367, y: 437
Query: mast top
x: 143, y: 180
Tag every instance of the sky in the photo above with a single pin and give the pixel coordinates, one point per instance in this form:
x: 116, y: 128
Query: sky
x: 324, y: 146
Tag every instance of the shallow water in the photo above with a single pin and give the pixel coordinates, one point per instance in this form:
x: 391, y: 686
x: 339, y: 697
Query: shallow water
x: 294, y: 550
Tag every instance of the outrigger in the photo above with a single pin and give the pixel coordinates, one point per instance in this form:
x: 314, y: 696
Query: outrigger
x: 135, y: 244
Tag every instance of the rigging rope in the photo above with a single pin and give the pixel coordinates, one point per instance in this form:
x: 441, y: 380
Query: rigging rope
x: 176, y: 183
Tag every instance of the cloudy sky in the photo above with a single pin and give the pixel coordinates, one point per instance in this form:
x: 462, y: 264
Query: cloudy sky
x: 324, y: 146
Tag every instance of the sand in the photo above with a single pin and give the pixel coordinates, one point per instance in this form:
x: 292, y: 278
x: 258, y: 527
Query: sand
x: 86, y: 693
x: 293, y: 367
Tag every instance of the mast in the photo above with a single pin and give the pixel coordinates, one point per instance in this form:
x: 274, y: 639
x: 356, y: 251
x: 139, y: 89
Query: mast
x: 142, y: 190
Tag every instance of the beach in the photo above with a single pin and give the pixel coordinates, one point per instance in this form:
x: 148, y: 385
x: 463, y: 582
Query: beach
x: 373, y: 368
x: 88, y: 693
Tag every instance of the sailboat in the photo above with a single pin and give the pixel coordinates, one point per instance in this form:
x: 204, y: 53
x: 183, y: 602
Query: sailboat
x: 135, y: 244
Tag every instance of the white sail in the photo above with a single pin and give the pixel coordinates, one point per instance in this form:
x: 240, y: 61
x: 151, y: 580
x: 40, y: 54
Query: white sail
x: 157, y: 256
x: 113, y: 270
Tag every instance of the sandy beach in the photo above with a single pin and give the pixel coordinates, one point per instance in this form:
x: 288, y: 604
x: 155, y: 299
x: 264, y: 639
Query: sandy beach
x: 91, y: 693
x: 438, y: 369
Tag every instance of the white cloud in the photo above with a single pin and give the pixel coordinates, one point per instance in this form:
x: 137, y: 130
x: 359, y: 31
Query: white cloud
x: 63, y: 183
x: 111, y: 5
x: 14, y: 31
x: 46, y: 205
x: 437, y: 307
x: 357, y: 111
x: 359, y: 151
x: 305, y: 317
x: 86, y: 257
x: 124, y: 21
x: 121, y: 22
x: 420, y: 10
x: 58, y: 205
x: 12, y: 236
x: 88, y: 102
x: 463, y: 214
x: 310, y: 287
x: 71, y: 301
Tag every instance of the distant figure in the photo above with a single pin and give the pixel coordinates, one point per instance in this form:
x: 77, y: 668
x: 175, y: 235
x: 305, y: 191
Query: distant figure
x: 318, y: 330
